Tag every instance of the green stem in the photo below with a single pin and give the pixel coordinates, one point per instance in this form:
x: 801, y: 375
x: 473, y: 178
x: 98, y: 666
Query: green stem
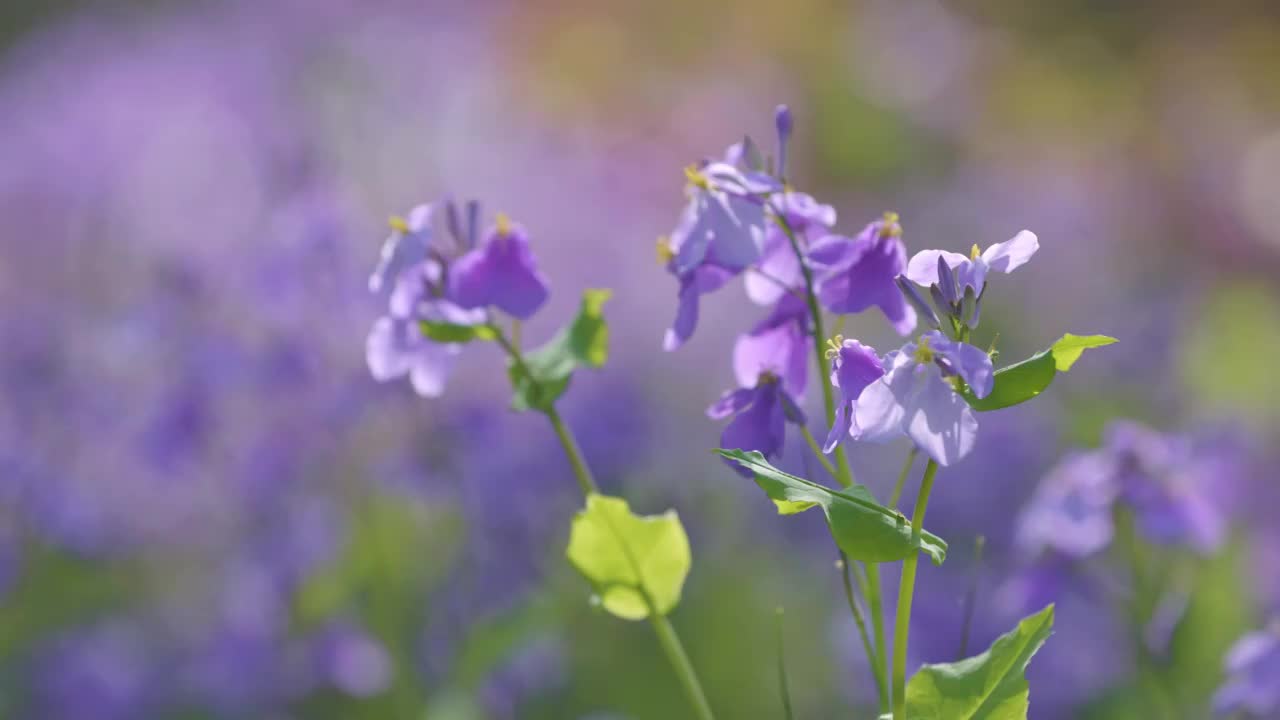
x: 902, y: 477
x: 667, y: 636
x: 875, y: 599
x: 783, y: 684
x: 817, y: 451
x: 844, y: 474
x: 581, y: 471
x: 906, y: 591
x: 680, y: 662
x: 877, y: 669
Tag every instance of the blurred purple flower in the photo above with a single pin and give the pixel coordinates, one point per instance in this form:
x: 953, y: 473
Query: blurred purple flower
x: 778, y: 271
x: 405, y: 247
x: 778, y: 344
x: 98, y: 674
x: 759, y: 415
x: 1071, y: 511
x: 350, y: 660
x: 1252, y: 666
x: 858, y: 273
x: 502, y: 272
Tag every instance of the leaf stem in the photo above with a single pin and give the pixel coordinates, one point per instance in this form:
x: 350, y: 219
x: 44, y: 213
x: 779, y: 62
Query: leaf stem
x: 817, y: 451
x: 581, y: 471
x: 902, y: 477
x: 679, y: 660
x: 783, y: 688
x: 877, y: 669
x: 667, y: 636
x: 906, y: 591
x: 875, y: 599
x: 845, y: 474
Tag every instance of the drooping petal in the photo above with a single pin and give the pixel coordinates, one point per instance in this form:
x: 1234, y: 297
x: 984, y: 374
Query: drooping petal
x: 778, y: 270
x: 693, y: 286
x: 854, y: 368
x: 730, y: 403
x: 938, y: 420
x: 840, y: 426
x: 384, y: 350
x: 502, y: 273
x: 970, y: 363
x: 1012, y: 254
x: 395, y: 347
x: 432, y: 364
x: 881, y: 407
x: 778, y: 344
x: 761, y: 426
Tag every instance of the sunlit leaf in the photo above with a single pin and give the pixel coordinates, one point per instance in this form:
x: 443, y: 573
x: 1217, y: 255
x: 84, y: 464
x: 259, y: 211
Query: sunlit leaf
x: 863, y: 528
x: 990, y: 686
x: 545, y: 375
x: 452, y: 333
x: 637, y: 564
x: 1022, y: 381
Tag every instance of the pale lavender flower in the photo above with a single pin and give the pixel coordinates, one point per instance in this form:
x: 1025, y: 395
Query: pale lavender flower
x: 404, y: 247
x: 353, y: 662
x: 917, y: 397
x: 971, y: 271
x: 1071, y: 511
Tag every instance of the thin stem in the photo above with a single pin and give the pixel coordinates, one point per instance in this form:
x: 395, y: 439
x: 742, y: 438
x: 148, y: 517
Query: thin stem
x: 902, y: 477
x: 581, y: 471
x: 667, y: 636
x: 875, y: 599
x: 817, y: 451
x: 783, y: 685
x: 971, y: 596
x: 680, y: 662
x: 877, y: 670
x: 844, y: 474
x: 906, y: 591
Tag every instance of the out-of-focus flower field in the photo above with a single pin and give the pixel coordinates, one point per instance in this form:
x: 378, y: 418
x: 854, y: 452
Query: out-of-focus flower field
x: 210, y: 509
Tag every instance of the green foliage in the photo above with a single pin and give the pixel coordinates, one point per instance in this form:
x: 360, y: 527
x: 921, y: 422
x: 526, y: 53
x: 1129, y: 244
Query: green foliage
x: 545, y: 373
x: 451, y: 333
x: 1022, y: 381
x: 990, y: 686
x: 864, y: 529
x: 637, y: 564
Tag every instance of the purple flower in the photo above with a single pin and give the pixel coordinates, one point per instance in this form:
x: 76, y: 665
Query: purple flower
x: 693, y: 285
x: 501, y: 273
x: 854, y: 366
x: 1160, y: 478
x: 759, y: 417
x: 396, y: 346
x: 858, y: 273
x: 971, y: 271
x: 917, y: 397
x: 405, y: 246
x: 348, y: 659
x: 779, y: 344
x: 1071, y: 511
x: 1253, y: 676
x: 778, y: 270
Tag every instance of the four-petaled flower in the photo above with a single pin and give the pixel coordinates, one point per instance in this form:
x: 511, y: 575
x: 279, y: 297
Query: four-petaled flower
x: 917, y: 397
x: 971, y: 271
x: 500, y: 273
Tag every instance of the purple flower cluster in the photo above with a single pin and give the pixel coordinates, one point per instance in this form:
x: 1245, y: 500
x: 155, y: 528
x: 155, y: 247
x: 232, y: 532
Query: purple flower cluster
x: 422, y: 283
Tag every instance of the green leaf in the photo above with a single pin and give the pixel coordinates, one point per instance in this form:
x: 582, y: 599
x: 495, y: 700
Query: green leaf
x: 637, y: 564
x: 1022, y: 381
x: 547, y: 370
x: 451, y: 333
x: 863, y: 528
x: 990, y: 686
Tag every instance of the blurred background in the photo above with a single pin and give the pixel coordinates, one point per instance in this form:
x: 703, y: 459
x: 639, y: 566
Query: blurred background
x: 208, y: 509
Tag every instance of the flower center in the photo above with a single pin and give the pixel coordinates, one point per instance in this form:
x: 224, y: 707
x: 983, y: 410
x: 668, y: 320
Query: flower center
x: 923, y: 353
x: 834, y: 344
x: 504, y: 225
x: 975, y: 252
x: 398, y: 224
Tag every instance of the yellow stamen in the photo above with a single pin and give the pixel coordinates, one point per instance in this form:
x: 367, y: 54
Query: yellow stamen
x: 665, y: 252
x: 503, y: 224
x: 766, y: 377
x: 889, y: 226
x: 975, y: 252
x: 694, y: 177
x: 834, y: 344
x: 398, y: 224
x: 923, y: 354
